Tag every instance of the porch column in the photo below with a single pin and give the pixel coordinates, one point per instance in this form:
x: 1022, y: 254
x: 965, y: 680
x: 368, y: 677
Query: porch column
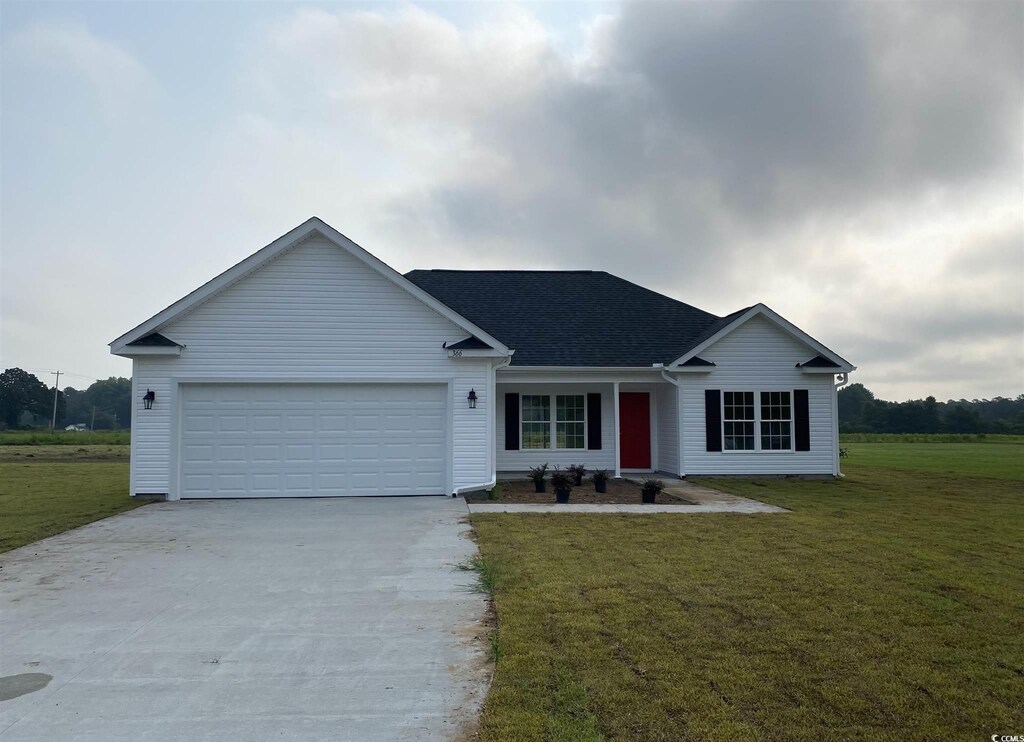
x: 618, y: 457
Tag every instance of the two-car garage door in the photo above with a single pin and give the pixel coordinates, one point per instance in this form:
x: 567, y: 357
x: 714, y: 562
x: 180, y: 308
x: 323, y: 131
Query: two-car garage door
x: 308, y: 440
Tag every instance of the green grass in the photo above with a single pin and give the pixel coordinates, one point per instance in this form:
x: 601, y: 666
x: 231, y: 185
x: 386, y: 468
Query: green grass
x: 886, y: 605
x: 64, y: 437
x: 845, y: 438
x: 998, y: 460
x: 45, y: 497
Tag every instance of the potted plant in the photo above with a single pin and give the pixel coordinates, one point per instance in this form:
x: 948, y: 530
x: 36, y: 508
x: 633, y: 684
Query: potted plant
x: 600, y: 481
x: 537, y: 475
x: 562, y: 481
x: 577, y: 471
x: 649, y: 490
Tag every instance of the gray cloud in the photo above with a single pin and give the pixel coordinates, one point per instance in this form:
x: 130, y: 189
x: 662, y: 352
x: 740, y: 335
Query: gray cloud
x: 857, y: 166
x: 847, y: 163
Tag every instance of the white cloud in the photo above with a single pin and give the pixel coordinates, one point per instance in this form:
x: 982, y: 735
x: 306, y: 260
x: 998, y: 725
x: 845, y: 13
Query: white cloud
x: 113, y: 75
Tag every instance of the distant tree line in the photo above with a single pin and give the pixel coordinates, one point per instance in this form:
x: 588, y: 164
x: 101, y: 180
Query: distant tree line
x: 861, y: 412
x: 26, y: 402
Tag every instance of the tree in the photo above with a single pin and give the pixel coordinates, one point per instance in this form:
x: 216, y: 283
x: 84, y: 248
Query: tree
x: 113, y: 398
x: 963, y: 420
x: 21, y: 392
x: 861, y: 412
x: 852, y: 401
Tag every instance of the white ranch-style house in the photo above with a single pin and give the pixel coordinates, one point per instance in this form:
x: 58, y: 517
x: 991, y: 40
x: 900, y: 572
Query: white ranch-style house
x: 311, y: 368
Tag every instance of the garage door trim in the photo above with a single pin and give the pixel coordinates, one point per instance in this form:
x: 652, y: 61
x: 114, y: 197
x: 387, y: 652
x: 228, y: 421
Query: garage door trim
x: 176, y: 404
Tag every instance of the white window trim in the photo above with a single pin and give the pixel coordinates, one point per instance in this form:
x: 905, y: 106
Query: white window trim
x: 757, y: 423
x: 553, y: 422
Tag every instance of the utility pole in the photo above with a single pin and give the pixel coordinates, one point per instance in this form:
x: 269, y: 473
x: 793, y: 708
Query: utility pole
x: 92, y: 423
x: 56, y: 387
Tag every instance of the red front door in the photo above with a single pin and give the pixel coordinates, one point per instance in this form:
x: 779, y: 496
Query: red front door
x: 634, y: 430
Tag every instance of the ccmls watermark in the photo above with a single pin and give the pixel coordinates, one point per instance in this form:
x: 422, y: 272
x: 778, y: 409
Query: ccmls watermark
x: 1008, y: 738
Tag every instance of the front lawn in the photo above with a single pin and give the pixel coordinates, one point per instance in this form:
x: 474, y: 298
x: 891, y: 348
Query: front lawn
x: 890, y: 604
x: 47, y: 490
x: 1002, y: 460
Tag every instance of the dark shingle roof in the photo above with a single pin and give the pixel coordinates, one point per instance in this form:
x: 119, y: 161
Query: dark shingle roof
x: 696, y: 362
x: 470, y: 343
x: 156, y: 340
x: 571, y: 318
x: 817, y: 362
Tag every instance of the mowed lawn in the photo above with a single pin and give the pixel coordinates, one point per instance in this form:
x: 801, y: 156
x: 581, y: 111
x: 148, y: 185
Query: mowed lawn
x: 999, y: 460
x: 45, y: 490
x: 886, y: 605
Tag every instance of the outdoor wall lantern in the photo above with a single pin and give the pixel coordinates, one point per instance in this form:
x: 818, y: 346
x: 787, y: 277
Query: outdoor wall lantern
x: 147, y: 399
x: 472, y: 399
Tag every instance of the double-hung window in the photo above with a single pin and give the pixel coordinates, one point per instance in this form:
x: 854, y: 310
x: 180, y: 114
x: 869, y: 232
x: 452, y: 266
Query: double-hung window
x: 536, y: 421
x: 765, y: 426
x: 776, y: 422
x: 569, y: 420
x: 566, y: 428
x: 738, y: 421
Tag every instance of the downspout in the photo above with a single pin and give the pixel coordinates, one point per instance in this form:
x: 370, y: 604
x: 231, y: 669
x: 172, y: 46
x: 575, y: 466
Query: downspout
x: 679, y: 428
x: 842, y: 381
x: 491, y: 412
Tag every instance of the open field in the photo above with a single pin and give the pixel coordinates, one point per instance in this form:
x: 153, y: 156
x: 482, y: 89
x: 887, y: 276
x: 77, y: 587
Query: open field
x: 846, y: 438
x: 64, y: 437
x: 887, y: 605
x: 45, y: 490
x: 997, y: 460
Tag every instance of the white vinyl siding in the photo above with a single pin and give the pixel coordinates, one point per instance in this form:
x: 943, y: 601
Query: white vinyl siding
x: 758, y: 357
x: 667, y: 404
x: 313, y: 313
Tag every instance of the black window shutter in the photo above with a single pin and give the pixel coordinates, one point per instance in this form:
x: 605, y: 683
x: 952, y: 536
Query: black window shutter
x: 594, y: 422
x: 801, y: 420
x: 511, y: 422
x: 713, y: 419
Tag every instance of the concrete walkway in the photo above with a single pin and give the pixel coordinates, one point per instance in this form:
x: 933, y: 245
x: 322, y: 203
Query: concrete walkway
x: 515, y: 507
x: 332, y: 619
x: 699, y: 500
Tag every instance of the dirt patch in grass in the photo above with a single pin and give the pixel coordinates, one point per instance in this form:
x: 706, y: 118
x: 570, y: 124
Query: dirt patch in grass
x: 620, y: 492
x: 61, y: 453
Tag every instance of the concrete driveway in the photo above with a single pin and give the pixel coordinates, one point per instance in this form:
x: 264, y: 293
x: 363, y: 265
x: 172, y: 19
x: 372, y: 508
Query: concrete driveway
x: 245, y: 620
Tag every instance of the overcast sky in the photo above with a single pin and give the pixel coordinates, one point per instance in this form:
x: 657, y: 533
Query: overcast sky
x: 857, y: 167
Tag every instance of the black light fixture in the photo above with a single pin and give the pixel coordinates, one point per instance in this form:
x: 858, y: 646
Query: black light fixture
x: 472, y: 399
x: 147, y: 399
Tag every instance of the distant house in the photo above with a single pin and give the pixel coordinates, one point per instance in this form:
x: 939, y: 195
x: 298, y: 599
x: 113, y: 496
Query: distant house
x: 312, y: 368
x: 77, y: 426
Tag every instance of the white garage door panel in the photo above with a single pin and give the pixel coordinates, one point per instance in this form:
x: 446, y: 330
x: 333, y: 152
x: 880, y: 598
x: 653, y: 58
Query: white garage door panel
x: 291, y: 440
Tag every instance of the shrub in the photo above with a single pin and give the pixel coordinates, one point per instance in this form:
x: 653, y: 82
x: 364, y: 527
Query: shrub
x: 537, y: 473
x: 651, y: 486
x: 600, y: 476
x: 562, y: 480
x: 577, y: 471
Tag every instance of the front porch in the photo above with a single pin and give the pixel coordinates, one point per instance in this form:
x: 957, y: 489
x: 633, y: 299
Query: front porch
x: 625, y: 425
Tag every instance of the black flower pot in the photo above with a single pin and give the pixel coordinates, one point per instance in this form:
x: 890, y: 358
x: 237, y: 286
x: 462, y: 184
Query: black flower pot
x: 647, y: 498
x: 601, y: 487
x: 540, y: 486
x: 579, y: 479
x: 562, y: 496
